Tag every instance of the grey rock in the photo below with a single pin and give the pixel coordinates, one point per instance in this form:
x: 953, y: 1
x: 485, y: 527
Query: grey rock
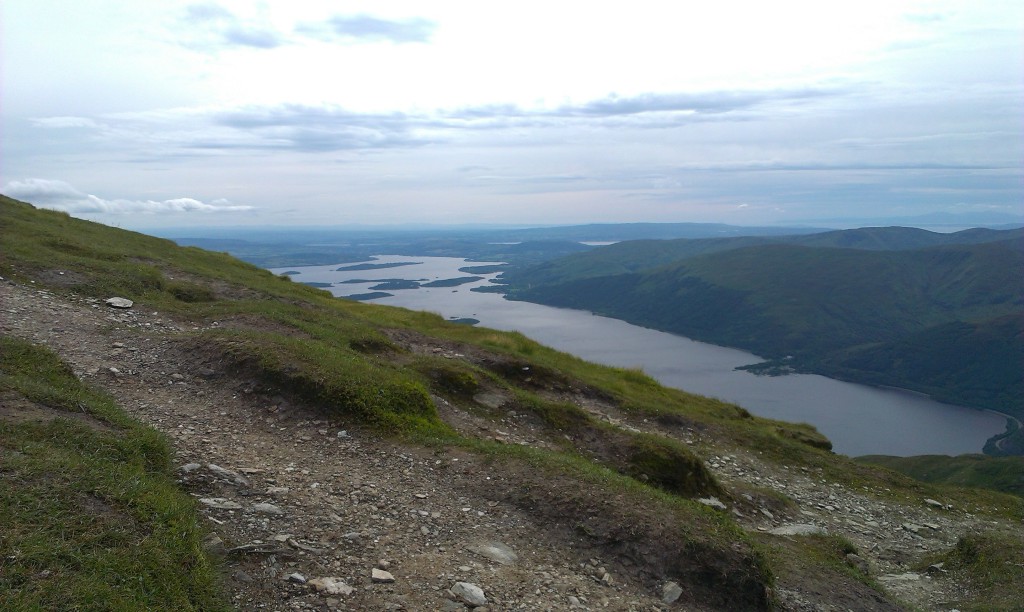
x: 714, y: 502
x: 498, y: 552
x: 297, y: 578
x: 119, y: 302
x: 190, y: 467
x: 379, y: 575
x: 266, y: 508
x: 241, y: 576
x: 220, y: 503
x: 226, y: 474
x: 468, y: 593
x: 799, y: 529
x: 912, y: 528
x: 670, y: 592
x: 907, y: 577
x: 331, y: 586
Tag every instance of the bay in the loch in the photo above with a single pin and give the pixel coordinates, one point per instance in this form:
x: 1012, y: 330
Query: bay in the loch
x: 859, y: 420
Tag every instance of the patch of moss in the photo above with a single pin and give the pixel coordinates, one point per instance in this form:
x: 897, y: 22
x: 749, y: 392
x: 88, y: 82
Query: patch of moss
x: 669, y: 465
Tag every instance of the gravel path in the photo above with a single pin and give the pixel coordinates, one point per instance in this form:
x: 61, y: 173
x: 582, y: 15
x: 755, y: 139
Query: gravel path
x: 318, y: 515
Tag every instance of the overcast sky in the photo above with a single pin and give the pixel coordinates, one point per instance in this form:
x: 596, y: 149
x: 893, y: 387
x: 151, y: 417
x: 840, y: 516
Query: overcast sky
x: 148, y: 114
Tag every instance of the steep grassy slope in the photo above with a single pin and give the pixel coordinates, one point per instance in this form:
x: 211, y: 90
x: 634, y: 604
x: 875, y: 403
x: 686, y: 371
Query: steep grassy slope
x: 627, y: 491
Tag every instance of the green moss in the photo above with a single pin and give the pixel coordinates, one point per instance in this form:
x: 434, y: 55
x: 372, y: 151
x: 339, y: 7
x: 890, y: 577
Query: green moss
x: 448, y: 378
x: 669, y: 465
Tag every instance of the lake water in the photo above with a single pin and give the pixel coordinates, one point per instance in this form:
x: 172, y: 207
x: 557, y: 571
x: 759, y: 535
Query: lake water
x: 859, y: 419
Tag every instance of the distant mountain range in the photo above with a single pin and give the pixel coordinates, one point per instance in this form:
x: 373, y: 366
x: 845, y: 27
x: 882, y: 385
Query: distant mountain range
x: 991, y: 220
x: 937, y: 313
x: 272, y: 247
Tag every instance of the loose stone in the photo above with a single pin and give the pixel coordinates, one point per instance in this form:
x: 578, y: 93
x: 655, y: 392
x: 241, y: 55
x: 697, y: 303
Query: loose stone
x: 380, y: 576
x: 468, y: 593
x: 331, y: 586
x: 670, y: 592
x: 266, y: 508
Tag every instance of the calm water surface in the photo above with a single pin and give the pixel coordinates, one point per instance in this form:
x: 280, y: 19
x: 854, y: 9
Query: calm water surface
x: 859, y: 420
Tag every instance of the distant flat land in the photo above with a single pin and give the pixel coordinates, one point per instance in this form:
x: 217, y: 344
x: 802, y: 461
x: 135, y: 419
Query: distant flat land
x: 488, y: 269
x: 453, y: 282
x: 373, y: 266
x: 365, y: 297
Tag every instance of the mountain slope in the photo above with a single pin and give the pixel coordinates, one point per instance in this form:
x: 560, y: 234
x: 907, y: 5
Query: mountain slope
x: 638, y: 255
x: 864, y: 315
x: 357, y: 436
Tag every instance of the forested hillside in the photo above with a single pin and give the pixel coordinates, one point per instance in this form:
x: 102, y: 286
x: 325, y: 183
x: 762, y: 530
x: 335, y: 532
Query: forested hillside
x: 943, y: 320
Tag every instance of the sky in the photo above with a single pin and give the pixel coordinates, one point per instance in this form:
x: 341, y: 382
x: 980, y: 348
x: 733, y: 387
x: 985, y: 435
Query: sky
x: 144, y: 114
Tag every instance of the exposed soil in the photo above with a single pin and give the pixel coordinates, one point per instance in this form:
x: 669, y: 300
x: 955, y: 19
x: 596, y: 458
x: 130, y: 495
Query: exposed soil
x: 301, y: 497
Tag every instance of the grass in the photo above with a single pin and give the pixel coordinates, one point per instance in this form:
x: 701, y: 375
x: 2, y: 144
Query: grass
x: 92, y: 516
x: 993, y: 566
x: 1004, y: 474
x: 340, y: 356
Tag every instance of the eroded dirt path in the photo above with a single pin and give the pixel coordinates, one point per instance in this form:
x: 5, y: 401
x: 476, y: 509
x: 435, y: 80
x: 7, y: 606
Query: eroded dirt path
x: 304, y: 498
x: 291, y: 497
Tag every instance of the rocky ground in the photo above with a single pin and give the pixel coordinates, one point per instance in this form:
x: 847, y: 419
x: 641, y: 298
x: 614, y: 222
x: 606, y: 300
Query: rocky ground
x: 318, y: 515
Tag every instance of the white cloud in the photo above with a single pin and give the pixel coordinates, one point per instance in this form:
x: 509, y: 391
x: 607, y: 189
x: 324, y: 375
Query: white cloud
x: 65, y: 122
x: 58, y: 195
x: 208, y: 26
x: 366, y: 28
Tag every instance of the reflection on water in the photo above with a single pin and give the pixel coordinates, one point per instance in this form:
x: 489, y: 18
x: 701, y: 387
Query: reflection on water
x: 858, y: 419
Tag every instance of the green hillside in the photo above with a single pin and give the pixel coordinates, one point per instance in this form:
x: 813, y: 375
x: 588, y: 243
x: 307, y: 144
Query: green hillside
x: 637, y: 255
x: 942, y: 320
x: 1000, y: 473
x: 613, y: 465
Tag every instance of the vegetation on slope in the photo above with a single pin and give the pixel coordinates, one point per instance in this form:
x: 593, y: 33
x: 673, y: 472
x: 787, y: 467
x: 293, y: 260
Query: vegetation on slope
x: 638, y: 255
x: 1004, y: 474
x: 92, y: 517
x: 865, y: 315
x: 991, y: 565
x: 354, y: 362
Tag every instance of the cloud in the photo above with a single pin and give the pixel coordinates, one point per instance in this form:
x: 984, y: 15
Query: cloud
x: 648, y: 109
x: 58, y: 195
x: 364, y: 28
x: 209, y: 26
x: 706, y: 102
x: 321, y: 128
x: 65, y: 122
x: 328, y: 127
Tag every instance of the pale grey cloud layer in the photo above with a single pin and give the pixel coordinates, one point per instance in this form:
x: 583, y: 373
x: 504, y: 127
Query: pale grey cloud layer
x: 309, y: 112
x: 58, y: 195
